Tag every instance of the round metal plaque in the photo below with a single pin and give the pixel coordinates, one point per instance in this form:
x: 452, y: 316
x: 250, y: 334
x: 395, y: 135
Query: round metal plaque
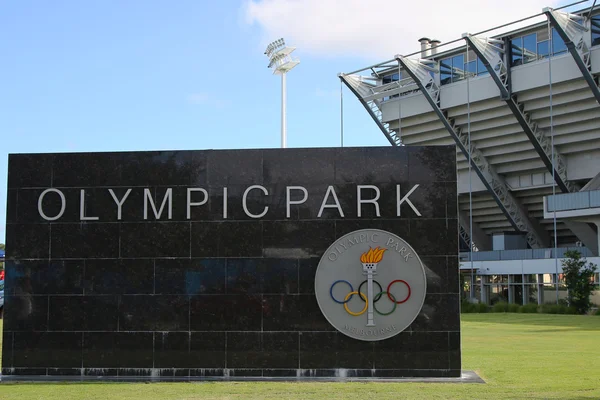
x: 370, y: 284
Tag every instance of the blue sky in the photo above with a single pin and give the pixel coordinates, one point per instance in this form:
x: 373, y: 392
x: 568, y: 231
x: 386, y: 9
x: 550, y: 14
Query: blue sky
x: 139, y: 75
x: 191, y: 74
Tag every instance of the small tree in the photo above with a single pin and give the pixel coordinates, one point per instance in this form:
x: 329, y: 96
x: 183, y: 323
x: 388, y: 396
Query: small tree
x: 579, y: 280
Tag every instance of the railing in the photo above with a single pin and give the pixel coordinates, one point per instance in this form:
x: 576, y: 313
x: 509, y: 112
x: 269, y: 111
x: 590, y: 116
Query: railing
x: 573, y: 201
x: 525, y: 254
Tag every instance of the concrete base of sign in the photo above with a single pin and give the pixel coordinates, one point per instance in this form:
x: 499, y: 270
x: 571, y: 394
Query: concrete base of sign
x: 466, y: 377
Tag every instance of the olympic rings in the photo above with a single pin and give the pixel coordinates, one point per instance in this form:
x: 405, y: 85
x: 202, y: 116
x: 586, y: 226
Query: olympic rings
x: 393, y: 302
x: 376, y: 299
x: 347, y: 299
x: 392, y: 298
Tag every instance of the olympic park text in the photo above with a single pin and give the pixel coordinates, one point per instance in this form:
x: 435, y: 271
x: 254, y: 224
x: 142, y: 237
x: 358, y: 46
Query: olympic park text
x: 345, y: 243
x: 366, y: 196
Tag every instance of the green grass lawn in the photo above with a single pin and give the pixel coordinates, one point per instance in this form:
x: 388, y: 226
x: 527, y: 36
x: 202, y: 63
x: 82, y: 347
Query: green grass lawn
x: 521, y: 356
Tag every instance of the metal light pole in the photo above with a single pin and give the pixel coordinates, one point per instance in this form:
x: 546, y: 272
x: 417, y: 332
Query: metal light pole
x: 282, y: 62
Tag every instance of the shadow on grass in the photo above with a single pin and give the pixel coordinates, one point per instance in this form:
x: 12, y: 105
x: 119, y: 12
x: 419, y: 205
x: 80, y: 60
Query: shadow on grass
x: 566, y: 322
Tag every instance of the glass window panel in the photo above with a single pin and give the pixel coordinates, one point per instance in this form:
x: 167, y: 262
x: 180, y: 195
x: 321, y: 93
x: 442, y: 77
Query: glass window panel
x: 498, y: 278
x: 518, y: 294
x: 517, y: 278
x: 481, y: 69
x: 595, y: 30
x: 531, y: 293
x: 517, y: 51
x: 458, y: 64
x: 498, y: 293
x: 395, y: 78
x: 529, y: 48
x: 531, y: 278
x: 542, y: 49
x: 387, y: 79
x: 445, y: 71
x: 471, y: 67
x: 558, y: 45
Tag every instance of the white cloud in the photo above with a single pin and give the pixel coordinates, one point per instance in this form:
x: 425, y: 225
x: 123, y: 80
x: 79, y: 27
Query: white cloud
x: 384, y: 28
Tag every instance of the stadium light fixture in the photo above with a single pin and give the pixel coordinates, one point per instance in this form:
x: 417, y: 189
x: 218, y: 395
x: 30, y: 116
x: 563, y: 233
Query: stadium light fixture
x: 281, y: 61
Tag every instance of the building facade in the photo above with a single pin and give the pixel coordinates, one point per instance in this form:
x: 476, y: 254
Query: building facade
x: 522, y: 107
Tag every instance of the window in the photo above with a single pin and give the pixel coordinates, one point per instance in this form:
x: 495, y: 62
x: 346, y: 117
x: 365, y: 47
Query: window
x: 454, y: 69
x: 481, y: 69
x: 542, y: 49
x: 446, y: 71
x: 529, y: 48
x: 389, y: 79
x: 558, y: 45
x: 595, y: 30
x: 535, y: 46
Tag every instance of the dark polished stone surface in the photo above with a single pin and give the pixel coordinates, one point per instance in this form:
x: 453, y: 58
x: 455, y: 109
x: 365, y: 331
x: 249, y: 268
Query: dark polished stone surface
x: 150, y: 289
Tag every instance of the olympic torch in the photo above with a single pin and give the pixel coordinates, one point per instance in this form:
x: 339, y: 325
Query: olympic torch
x: 369, y: 261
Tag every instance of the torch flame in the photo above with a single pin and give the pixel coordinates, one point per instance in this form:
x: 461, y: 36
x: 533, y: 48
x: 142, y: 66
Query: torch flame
x: 373, y: 255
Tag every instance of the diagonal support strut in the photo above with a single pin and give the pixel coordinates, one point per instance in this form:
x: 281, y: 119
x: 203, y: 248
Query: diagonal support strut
x: 372, y: 108
x: 490, y: 53
x: 422, y: 72
x: 571, y: 29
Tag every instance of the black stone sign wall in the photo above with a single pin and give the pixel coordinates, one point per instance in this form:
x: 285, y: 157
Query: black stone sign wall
x: 204, y: 295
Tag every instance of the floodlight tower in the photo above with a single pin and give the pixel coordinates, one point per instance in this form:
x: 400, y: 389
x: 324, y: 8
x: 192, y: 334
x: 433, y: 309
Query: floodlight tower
x: 282, y: 62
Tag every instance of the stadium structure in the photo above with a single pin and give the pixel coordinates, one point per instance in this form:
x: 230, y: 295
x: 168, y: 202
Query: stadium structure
x: 523, y: 108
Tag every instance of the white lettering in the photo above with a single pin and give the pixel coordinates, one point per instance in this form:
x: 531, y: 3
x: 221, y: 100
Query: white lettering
x: 82, y: 216
x: 245, y: 205
x: 330, y: 190
x: 399, y: 200
x: 288, y: 202
x: 168, y: 198
x: 119, y: 202
x: 199, y: 203
x: 360, y: 200
x: 224, y: 203
x: 63, y: 204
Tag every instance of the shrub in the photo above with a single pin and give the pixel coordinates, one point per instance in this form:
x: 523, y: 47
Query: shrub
x: 549, y: 309
x: 482, y: 308
x: 467, y: 307
x: 530, y: 308
x: 513, y: 308
x: 571, y: 310
x: 557, y: 309
x: 500, y: 307
x: 597, y: 312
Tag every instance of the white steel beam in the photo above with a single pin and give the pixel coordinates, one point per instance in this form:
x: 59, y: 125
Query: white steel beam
x: 423, y: 72
x: 571, y: 28
x: 362, y: 90
x: 490, y: 53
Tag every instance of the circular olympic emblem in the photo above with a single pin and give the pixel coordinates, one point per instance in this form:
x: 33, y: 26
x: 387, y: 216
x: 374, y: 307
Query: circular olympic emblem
x: 370, y: 284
